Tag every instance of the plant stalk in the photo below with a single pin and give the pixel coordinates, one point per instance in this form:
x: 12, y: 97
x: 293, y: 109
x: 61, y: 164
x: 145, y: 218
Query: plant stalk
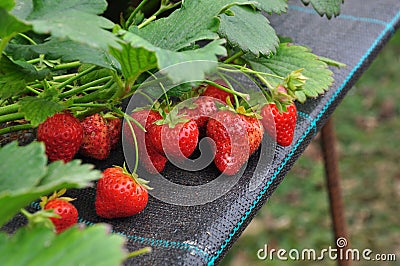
x: 15, y: 128
x: 67, y: 65
x: 243, y: 95
x: 9, y: 109
x: 11, y: 117
x: 75, y: 77
x: 84, y: 87
x: 139, y: 252
x: 133, y: 14
x: 233, y: 57
x: 162, y: 9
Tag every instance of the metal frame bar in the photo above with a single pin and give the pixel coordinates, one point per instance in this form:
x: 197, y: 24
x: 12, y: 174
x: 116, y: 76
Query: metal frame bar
x: 331, y: 161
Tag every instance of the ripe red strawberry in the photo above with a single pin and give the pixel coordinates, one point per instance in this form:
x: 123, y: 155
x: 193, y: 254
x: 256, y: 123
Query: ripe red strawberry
x: 149, y: 158
x: 285, y: 122
x: 120, y: 194
x: 62, y: 135
x: 114, y: 125
x: 217, y: 93
x: 176, y: 136
x: 62, y: 206
x: 96, y: 140
x: 236, y: 137
x: 255, y: 132
x: 201, y: 110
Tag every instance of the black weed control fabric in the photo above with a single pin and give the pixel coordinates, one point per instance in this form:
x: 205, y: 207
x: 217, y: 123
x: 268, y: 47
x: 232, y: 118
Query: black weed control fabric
x: 200, y: 235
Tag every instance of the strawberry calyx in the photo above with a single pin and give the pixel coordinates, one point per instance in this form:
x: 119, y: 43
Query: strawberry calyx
x: 140, y: 181
x: 294, y: 84
x: 55, y: 195
x: 241, y: 109
x: 40, y: 218
x: 172, y: 118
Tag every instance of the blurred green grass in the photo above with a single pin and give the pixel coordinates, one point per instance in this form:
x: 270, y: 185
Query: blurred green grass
x: 367, y: 127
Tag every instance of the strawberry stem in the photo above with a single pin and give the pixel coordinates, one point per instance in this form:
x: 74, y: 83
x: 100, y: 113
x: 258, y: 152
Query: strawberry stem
x: 238, y: 68
x: 129, y: 21
x: 29, y: 39
x: 231, y: 87
x: 139, y: 252
x: 15, y: 128
x: 84, y: 87
x: 67, y: 65
x: 11, y: 117
x: 162, y: 9
x: 234, y: 57
x: 89, y: 105
x: 29, y: 88
x: 135, y: 141
x: 164, y: 91
x: 76, y: 77
x: 8, y: 109
x: 212, y: 83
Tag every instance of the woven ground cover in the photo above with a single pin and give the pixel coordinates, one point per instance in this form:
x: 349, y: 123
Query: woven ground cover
x: 200, y: 235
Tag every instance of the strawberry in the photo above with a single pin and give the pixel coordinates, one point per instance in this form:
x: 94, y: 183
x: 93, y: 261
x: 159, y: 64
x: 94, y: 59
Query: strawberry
x: 120, y: 194
x: 96, y: 139
x: 149, y: 158
x: 175, y: 136
x: 255, y: 132
x: 62, y: 206
x: 285, y: 122
x: 217, y: 93
x: 200, y: 111
x: 62, y: 135
x: 114, y: 125
x: 236, y: 136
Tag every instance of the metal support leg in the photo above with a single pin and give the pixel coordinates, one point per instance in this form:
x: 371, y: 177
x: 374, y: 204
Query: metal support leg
x: 328, y: 145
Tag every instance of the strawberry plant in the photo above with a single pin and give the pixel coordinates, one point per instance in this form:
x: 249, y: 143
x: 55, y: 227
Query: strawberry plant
x: 19, y: 186
x: 65, y: 65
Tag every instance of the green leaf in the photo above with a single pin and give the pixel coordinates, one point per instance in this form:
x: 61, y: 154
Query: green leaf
x: 248, y: 29
x: 14, y: 76
x: 326, y: 7
x: 289, y: 58
x: 38, y: 109
x: 66, y: 50
x: 20, y: 187
x: 12, y: 174
x: 195, y: 20
x: 9, y: 25
x: 7, y: 4
x: 72, y: 174
x: 191, y: 65
x: 272, y: 6
x: 138, y: 56
x: 134, y: 60
x: 40, y: 246
x: 74, y: 20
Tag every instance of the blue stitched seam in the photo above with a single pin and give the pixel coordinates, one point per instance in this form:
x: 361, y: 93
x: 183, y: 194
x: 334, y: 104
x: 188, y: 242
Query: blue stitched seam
x: 389, y: 28
x: 149, y: 241
x: 343, y: 16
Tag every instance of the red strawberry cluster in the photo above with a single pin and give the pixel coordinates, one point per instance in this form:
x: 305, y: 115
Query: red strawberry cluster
x: 64, y: 135
x: 237, y: 134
